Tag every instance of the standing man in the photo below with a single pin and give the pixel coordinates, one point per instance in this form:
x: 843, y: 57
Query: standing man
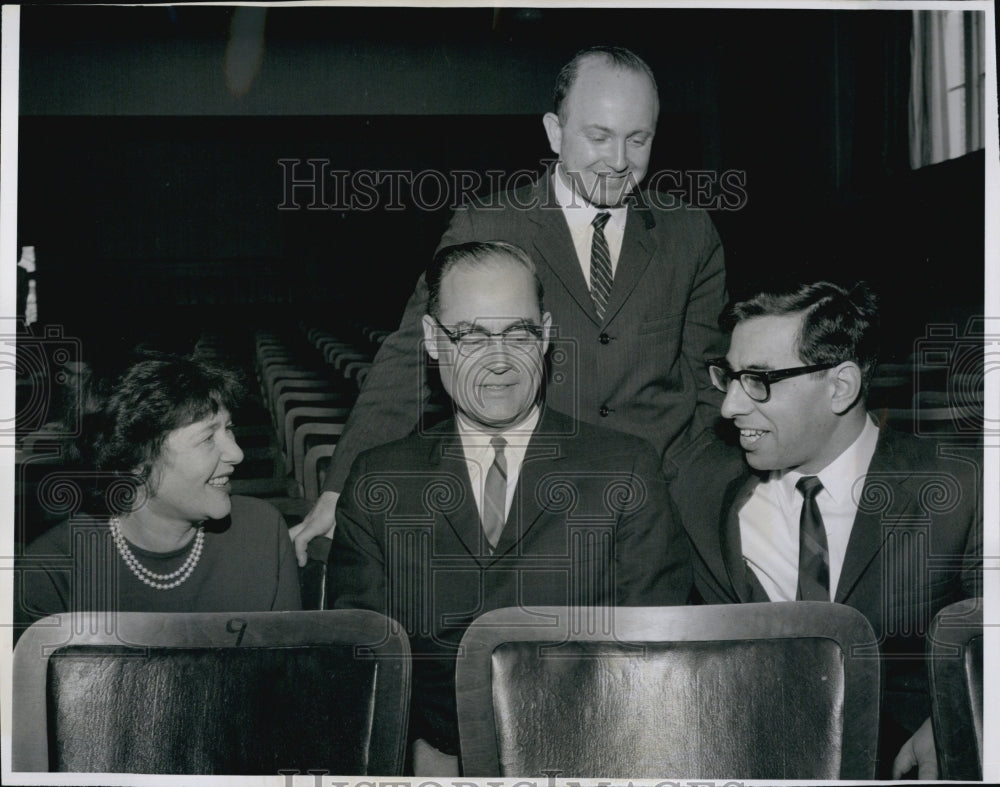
x: 508, y: 504
x: 635, y: 290
x: 822, y: 504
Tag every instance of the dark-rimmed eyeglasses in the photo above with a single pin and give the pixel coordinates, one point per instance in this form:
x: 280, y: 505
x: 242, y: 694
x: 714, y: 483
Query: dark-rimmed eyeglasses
x: 756, y: 383
x: 523, y: 336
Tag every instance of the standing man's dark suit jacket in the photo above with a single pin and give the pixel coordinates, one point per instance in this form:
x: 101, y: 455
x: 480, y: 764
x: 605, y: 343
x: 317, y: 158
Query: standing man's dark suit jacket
x: 589, y: 525
x: 639, y: 370
x: 916, y: 546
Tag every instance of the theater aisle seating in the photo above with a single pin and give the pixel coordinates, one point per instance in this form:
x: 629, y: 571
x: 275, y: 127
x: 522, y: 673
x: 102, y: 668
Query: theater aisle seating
x: 302, y: 378
x: 937, y: 389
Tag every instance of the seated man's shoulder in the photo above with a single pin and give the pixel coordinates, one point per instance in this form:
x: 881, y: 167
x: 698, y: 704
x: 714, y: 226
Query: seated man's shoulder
x: 921, y: 455
x: 707, y: 452
x: 599, y: 443
x: 406, y: 451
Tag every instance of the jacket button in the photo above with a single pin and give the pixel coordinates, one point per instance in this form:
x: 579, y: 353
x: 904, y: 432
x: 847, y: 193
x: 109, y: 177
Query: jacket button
x: 604, y: 411
x: 604, y: 338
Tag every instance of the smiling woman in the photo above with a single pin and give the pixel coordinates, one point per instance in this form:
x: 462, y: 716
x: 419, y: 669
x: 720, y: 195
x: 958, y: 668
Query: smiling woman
x: 169, y: 537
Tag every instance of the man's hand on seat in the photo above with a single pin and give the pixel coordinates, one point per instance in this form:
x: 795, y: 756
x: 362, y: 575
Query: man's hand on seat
x: 918, y: 751
x: 318, y: 522
x: 428, y: 761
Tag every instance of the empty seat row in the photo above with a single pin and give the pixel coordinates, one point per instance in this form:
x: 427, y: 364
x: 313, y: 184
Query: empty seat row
x: 309, y: 380
x: 649, y: 692
x: 934, y: 391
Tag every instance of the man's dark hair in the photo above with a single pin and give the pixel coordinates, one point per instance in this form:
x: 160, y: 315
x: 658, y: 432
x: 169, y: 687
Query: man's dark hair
x: 130, y: 417
x: 837, y: 324
x: 616, y: 56
x: 475, y: 254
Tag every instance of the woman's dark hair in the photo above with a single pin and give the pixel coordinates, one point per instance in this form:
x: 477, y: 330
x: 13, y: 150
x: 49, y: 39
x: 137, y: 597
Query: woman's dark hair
x: 127, y: 419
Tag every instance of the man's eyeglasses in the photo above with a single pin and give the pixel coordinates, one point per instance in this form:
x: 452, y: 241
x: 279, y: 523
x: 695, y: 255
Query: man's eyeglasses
x: 523, y: 336
x: 757, y: 384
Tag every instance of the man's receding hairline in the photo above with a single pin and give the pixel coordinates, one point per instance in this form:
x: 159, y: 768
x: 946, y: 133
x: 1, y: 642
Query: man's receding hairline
x: 496, y: 259
x: 601, y: 60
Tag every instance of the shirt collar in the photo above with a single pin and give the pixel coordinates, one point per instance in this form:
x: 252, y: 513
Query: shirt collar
x: 840, y: 477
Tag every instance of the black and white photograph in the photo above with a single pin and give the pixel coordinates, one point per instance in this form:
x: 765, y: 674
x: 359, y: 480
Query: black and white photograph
x: 538, y: 394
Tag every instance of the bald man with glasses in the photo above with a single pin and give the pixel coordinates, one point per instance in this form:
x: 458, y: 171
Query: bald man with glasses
x: 819, y: 503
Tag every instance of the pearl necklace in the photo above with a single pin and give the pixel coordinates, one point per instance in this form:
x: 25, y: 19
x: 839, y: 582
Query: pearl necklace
x: 158, y: 581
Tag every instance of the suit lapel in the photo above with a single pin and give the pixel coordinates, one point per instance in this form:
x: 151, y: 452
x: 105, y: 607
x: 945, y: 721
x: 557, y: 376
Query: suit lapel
x: 872, y: 525
x: 737, y: 494
x: 638, y: 247
x: 543, y: 452
x: 554, y: 244
x: 463, y: 521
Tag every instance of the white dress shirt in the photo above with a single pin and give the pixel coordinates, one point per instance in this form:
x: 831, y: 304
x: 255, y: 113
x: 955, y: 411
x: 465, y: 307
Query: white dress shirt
x: 769, y: 521
x: 579, y: 214
x: 479, y: 454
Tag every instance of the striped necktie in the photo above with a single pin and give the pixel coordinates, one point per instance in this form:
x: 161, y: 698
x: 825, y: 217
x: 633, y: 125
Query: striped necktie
x: 814, y: 555
x: 495, y: 494
x: 600, y: 265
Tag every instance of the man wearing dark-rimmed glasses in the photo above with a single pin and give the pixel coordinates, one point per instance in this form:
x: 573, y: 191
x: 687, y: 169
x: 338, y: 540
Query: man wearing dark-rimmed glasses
x: 756, y: 383
x: 510, y: 503
x: 823, y: 504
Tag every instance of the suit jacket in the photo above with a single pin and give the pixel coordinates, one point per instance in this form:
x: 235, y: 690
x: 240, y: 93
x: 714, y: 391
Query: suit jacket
x: 915, y: 546
x: 590, y: 524
x: 639, y: 370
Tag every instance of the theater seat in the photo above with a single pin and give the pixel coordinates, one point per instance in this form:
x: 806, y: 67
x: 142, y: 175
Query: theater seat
x: 212, y: 693
x: 315, y: 466
x: 312, y: 576
x: 307, y: 414
x: 306, y: 437
x: 955, y: 671
x: 749, y: 691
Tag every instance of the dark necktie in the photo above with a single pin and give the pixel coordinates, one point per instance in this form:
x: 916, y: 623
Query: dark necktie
x: 495, y: 494
x: 814, y: 555
x: 600, y: 265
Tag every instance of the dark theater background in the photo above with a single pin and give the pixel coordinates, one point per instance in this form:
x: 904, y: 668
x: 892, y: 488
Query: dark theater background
x: 150, y: 182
